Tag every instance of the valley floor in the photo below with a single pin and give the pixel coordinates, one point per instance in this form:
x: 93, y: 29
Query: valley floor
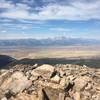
x: 52, y: 52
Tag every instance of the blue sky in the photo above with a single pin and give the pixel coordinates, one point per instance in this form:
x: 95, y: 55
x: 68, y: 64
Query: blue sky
x: 49, y: 18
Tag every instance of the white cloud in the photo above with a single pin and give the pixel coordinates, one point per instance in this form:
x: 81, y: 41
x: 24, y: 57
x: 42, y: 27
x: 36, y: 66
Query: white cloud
x: 16, y: 14
x: 32, y: 21
x: 6, y: 4
x: 77, y: 10
x: 14, y: 36
x: 60, y: 29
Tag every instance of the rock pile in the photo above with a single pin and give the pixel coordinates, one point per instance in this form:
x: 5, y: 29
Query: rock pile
x: 47, y: 82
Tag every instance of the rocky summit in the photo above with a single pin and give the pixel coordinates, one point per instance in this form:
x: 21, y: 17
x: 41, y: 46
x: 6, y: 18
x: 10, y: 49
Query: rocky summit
x: 47, y: 82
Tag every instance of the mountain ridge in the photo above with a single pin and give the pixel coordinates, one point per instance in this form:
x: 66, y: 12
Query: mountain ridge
x: 49, y: 42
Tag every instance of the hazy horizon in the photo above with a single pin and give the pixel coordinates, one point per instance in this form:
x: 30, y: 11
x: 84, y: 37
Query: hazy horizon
x: 50, y: 38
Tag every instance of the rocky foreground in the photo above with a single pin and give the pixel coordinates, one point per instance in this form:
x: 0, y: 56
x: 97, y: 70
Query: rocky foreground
x: 46, y: 82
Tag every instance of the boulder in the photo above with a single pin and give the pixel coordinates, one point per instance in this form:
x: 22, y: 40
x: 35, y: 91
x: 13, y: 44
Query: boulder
x: 81, y: 82
x: 41, y: 94
x: 96, y: 97
x: 33, y: 78
x: 86, y: 95
x: 64, y: 82
x: 56, y: 79
x: 1, y: 94
x: 89, y: 86
x: 4, y: 76
x: 50, y: 84
x: 17, y: 75
x: 46, y: 67
x: 62, y: 73
x: 77, y: 96
x: 45, y: 71
x: 51, y: 94
x: 16, y: 83
x: 3, y: 71
x: 61, y: 96
x: 4, y: 98
x: 25, y: 96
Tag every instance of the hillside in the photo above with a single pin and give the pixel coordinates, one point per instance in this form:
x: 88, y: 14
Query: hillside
x: 94, y: 63
x: 4, y: 60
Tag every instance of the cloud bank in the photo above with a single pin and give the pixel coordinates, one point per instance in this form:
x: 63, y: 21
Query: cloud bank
x: 50, y: 9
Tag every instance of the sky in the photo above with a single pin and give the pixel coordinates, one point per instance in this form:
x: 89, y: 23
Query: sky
x: 49, y: 18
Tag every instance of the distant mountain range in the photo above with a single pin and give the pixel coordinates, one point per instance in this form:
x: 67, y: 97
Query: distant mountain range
x: 63, y: 41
